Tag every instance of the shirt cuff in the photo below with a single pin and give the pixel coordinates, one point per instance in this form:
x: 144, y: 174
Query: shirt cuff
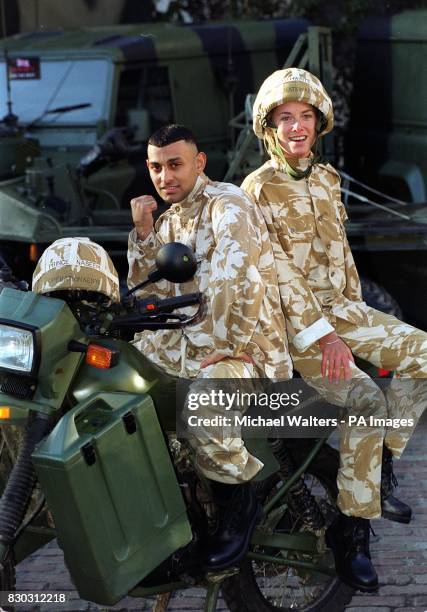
x: 305, y: 338
x: 148, y: 240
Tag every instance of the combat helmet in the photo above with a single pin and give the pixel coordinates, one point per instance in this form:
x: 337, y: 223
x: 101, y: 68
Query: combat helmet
x: 76, y: 264
x: 289, y: 85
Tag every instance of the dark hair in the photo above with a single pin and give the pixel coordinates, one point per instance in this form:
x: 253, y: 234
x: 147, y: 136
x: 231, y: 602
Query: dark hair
x: 168, y: 134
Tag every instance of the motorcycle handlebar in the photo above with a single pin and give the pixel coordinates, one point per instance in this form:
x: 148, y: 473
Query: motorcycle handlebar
x: 153, y: 313
x: 153, y: 305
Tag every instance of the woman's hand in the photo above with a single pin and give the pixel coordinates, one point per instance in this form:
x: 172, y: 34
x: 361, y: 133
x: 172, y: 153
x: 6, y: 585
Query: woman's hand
x: 336, y: 358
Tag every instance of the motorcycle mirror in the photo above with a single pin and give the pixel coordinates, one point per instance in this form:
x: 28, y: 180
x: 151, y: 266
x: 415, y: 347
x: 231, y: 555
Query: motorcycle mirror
x: 175, y: 262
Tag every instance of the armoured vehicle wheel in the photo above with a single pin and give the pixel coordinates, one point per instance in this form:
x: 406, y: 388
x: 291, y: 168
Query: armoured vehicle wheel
x: 377, y: 297
x: 267, y: 587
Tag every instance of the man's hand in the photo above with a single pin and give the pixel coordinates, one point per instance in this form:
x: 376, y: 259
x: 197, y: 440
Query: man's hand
x: 142, y: 215
x: 215, y: 357
x: 336, y: 358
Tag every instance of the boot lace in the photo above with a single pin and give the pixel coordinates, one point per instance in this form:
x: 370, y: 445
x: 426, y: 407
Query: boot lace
x: 235, y: 513
x: 361, y: 537
x: 231, y: 517
x: 306, y: 505
x: 388, y: 479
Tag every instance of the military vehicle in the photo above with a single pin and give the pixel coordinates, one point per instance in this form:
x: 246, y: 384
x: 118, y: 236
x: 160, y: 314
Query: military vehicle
x: 387, y: 148
x: 78, y: 108
x: 72, y: 153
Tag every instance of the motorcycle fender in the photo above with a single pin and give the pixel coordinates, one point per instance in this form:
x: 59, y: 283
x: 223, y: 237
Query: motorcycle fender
x: 134, y: 373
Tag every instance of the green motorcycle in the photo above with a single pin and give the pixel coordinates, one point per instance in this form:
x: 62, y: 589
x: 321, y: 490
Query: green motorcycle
x: 89, y: 456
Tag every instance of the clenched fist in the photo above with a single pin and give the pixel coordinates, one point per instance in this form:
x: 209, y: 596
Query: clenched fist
x: 142, y: 214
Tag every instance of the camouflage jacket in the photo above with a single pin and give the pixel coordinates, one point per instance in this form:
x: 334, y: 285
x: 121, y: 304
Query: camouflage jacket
x: 236, y: 275
x: 316, y: 271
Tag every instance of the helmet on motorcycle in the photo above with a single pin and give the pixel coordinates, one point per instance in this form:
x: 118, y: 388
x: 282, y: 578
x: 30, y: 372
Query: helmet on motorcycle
x: 76, y: 264
x: 291, y: 85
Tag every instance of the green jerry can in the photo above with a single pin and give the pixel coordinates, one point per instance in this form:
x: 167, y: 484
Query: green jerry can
x: 112, y: 490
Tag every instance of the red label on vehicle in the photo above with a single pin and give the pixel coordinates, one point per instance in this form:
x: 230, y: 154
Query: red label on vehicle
x: 23, y: 68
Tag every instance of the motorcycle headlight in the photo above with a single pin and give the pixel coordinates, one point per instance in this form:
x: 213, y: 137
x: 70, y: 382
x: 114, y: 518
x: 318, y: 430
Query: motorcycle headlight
x: 17, y: 349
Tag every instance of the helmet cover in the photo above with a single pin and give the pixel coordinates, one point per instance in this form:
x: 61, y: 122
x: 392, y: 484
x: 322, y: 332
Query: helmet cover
x: 291, y: 85
x: 76, y: 263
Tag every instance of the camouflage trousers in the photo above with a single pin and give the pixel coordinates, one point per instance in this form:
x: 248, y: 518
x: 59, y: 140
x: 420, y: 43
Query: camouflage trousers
x: 219, y: 451
x: 386, y: 343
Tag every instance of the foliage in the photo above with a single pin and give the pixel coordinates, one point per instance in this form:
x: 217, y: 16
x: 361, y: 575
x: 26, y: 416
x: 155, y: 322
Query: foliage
x: 343, y: 17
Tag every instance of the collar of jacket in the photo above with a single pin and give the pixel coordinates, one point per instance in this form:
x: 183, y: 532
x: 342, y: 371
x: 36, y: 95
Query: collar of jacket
x: 194, y: 199
x: 301, y: 163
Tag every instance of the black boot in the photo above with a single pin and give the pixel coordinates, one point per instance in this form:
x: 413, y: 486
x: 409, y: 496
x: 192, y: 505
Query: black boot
x: 348, y: 538
x: 391, y: 507
x: 238, y: 512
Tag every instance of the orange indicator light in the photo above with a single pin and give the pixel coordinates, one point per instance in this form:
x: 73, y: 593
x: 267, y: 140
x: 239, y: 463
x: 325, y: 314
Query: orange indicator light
x: 98, y: 356
x: 33, y: 253
x: 4, y: 412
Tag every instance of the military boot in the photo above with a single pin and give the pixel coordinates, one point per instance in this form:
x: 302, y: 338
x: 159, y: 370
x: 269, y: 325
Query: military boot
x: 238, y: 512
x: 348, y: 538
x: 391, y: 507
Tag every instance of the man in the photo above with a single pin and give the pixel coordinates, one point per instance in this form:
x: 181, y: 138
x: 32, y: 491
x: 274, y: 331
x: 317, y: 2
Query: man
x: 243, y: 332
x: 326, y: 318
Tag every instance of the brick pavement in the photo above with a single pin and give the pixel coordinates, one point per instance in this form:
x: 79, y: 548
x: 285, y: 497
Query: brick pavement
x: 399, y: 553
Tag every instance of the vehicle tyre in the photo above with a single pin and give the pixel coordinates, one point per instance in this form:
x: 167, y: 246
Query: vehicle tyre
x: 8, y: 579
x: 377, y: 297
x: 266, y: 587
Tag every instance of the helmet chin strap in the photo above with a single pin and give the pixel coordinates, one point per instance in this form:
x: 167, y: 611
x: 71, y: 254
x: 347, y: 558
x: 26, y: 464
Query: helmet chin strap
x: 295, y: 173
x: 274, y: 147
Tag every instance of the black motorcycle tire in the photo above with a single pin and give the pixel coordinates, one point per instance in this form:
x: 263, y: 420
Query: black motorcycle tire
x: 8, y: 579
x: 242, y: 593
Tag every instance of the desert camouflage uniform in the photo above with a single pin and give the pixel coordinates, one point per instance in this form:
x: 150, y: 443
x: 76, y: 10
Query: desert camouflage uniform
x: 305, y: 221
x: 237, y: 276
